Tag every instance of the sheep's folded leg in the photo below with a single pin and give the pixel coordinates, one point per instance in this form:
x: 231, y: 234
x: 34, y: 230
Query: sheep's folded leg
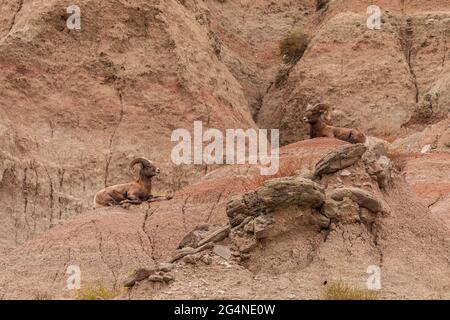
x: 159, y: 198
x: 128, y: 202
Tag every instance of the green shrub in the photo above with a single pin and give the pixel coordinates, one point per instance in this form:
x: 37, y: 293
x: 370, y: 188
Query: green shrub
x: 341, y: 291
x: 294, y: 45
x: 95, y: 293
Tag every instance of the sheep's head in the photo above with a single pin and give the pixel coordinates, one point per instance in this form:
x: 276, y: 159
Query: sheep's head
x: 148, y: 169
x: 317, y: 112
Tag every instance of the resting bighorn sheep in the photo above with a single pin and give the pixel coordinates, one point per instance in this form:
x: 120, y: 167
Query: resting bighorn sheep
x: 135, y: 192
x: 318, y: 116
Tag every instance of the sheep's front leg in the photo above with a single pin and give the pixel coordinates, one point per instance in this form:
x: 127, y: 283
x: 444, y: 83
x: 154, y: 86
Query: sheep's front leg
x: 159, y: 198
x: 130, y: 201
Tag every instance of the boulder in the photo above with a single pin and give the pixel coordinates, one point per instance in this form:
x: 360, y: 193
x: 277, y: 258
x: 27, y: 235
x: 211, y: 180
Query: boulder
x: 318, y: 219
x: 291, y: 191
x: 222, y: 251
x: 166, y: 267
x: 330, y: 208
x: 242, y: 206
x: 192, y: 239
x: 362, y: 197
x: 156, y: 278
x: 339, y: 159
x: 246, y: 245
x: 138, y: 275
x: 215, y: 235
x: 261, y: 227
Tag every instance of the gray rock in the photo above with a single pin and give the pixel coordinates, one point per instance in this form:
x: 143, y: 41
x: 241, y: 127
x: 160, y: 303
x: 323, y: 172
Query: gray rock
x: 426, y: 149
x: 189, y: 259
x: 345, y: 173
x: 206, y: 259
x: 306, y: 174
x: 246, y: 245
x: 138, y: 275
x: 320, y: 220
x: 378, y: 165
x: 191, y: 240
x: 330, y: 208
x: 168, y: 277
x: 362, y: 197
x: 339, y: 159
x: 291, y: 191
x: 166, y: 267
x: 222, y: 251
x: 367, y: 216
x: 156, y: 278
x: 250, y: 227
x: 261, y: 227
x: 242, y: 206
x: 245, y: 256
x: 189, y: 251
x: 216, y: 235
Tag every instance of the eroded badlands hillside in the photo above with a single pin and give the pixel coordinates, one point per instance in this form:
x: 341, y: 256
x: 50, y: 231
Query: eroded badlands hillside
x: 76, y: 106
x: 328, y: 217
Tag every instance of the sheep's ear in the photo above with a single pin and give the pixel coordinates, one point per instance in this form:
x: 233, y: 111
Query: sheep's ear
x: 309, y: 107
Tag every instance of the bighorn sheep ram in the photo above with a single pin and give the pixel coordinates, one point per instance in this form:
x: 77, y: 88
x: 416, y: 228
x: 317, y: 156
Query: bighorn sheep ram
x: 135, y: 192
x: 318, y: 116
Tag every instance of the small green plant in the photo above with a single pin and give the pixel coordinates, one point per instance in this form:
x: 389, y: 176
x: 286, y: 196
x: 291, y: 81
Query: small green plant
x: 95, y: 293
x: 293, y: 45
x: 342, y: 291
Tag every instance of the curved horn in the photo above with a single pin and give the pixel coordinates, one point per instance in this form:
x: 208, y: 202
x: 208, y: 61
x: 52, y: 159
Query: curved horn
x: 312, y: 107
x: 143, y: 161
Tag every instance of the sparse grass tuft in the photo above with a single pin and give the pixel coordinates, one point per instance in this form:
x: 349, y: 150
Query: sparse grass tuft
x: 96, y: 293
x: 342, y: 291
x: 41, y: 295
x: 294, y: 44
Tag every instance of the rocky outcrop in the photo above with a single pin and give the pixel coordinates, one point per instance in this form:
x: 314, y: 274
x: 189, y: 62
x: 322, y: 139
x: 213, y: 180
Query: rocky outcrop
x: 160, y: 273
x: 254, y: 215
x: 291, y: 191
x: 342, y: 158
x: 362, y: 197
x: 378, y: 165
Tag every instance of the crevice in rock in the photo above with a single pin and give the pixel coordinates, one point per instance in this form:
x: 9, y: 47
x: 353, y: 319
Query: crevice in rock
x: 183, y: 212
x: 406, y: 37
x: 103, y: 256
x: 148, y: 214
x: 25, y: 197
x: 436, y: 201
x: 214, y: 207
x: 61, y: 173
x: 113, y: 135
x: 13, y: 19
x: 51, y: 195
